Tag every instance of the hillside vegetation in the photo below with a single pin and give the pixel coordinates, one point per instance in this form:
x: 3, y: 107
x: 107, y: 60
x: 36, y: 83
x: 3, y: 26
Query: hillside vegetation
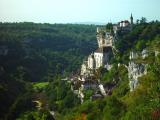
x: 141, y: 104
x: 32, y: 52
x: 48, y: 53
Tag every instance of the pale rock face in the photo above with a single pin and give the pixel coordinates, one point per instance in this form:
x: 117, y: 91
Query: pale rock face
x: 144, y: 53
x: 83, y: 69
x: 156, y: 53
x: 134, y: 71
x: 133, y: 55
x: 104, y: 40
x: 91, y: 61
x: 108, y: 67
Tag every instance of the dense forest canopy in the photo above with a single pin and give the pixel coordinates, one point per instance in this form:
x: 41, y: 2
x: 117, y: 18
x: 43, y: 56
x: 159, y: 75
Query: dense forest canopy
x: 38, y: 52
x: 38, y: 48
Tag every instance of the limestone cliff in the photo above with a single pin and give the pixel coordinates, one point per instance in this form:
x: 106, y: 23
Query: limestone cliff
x: 136, y: 70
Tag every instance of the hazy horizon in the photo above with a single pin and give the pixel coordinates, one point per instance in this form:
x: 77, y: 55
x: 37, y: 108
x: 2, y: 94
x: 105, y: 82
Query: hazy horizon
x: 77, y: 11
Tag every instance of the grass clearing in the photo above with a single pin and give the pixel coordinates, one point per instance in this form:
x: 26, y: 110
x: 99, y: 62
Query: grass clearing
x: 40, y: 85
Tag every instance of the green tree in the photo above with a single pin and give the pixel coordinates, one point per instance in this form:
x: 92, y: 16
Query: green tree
x: 143, y: 20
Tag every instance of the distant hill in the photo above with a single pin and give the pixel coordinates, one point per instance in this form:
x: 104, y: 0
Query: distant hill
x: 32, y: 52
x: 90, y: 23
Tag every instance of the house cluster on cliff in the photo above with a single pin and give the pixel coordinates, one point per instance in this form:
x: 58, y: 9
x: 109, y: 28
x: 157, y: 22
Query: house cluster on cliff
x: 101, y: 57
x: 123, y: 26
x: 105, y: 39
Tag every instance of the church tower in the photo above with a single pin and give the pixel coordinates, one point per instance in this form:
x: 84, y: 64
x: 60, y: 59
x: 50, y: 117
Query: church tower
x: 131, y: 19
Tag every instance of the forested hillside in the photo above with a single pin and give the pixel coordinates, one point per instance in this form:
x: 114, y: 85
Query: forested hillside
x: 32, y: 52
x: 55, y: 48
x: 122, y: 104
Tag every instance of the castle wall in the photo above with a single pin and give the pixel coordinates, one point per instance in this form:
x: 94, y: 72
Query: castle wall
x: 98, y: 59
x: 91, y: 62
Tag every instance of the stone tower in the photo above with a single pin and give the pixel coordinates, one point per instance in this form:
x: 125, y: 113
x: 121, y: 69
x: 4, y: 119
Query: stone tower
x: 131, y: 19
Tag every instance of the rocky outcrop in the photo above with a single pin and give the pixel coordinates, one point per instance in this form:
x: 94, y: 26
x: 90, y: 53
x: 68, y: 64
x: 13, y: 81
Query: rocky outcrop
x: 136, y: 70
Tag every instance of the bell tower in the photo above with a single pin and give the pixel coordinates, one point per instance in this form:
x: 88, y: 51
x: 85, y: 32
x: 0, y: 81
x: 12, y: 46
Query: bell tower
x: 131, y: 19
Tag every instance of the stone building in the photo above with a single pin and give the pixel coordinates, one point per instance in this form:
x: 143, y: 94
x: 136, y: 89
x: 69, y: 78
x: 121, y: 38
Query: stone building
x: 105, y: 39
x: 100, y: 57
x: 123, y: 26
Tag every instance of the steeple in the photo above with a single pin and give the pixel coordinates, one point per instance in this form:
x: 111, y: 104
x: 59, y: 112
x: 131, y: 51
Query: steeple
x: 131, y: 18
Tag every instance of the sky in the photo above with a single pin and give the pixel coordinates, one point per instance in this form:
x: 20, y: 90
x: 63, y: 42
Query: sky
x: 77, y: 11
